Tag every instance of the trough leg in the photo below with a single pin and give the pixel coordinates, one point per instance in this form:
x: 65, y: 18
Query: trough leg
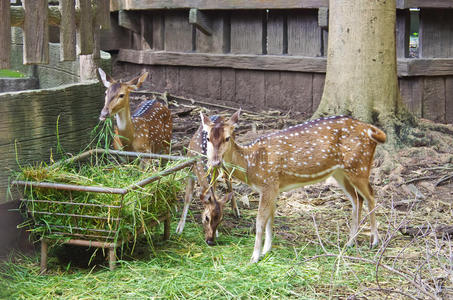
x: 43, y: 256
x: 167, y: 223
x: 112, y: 258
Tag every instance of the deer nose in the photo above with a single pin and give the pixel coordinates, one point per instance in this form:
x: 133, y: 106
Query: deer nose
x: 216, y: 163
x: 210, y: 242
x: 103, y: 115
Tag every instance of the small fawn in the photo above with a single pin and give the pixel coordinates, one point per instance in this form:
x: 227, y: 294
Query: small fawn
x: 338, y: 146
x: 213, y: 208
x: 149, y: 129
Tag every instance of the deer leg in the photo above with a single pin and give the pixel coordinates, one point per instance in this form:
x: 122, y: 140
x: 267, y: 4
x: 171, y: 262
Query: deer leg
x: 265, y: 211
x: 187, y: 199
x: 234, y: 205
x: 349, y: 190
x: 365, y: 190
x: 269, y: 225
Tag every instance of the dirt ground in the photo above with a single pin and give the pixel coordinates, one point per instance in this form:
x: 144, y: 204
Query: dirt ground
x: 413, y: 189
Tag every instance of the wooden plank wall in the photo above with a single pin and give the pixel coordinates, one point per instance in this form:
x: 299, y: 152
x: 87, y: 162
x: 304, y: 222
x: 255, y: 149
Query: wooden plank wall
x: 29, y: 124
x: 284, y: 37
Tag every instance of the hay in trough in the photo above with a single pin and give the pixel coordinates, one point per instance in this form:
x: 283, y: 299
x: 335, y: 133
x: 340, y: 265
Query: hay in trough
x: 62, y: 214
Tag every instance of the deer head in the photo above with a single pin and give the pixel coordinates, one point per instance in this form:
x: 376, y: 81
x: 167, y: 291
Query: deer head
x: 218, y: 137
x: 212, y: 215
x: 117, y: 93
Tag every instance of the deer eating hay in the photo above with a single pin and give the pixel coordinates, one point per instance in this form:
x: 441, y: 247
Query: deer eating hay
x: 308, y: 153
x: 149, y: 129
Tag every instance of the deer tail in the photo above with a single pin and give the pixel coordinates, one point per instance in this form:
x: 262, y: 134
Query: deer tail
x: 377, y: 135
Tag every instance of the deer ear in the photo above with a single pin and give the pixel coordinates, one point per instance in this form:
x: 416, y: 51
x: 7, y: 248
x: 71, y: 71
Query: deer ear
x: 105, y: 78
x: 205, y: 121
x: 206, y: 196
x: 234, y: 118
x: 226, y: 198
x: 136, y: 82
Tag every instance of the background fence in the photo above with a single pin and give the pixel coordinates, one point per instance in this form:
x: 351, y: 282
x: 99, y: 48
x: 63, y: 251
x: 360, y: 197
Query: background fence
x: 271, y: 54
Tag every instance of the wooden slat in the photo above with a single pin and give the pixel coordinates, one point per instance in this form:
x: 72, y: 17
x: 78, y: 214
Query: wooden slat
x: 218, y: 41
x: 103, y: 13
x: 178, y: 31
x: 109, y: 38
x: 251, y: 62
x: 318, y: 88
x: 434, y: 99
x: 5, y: 34
x: 244, y: 94
x: 158, y: 31
x: 247, y: 35
x: 436, y: 33
x: 402, y: 33
x: 68, y: 30
x: 129, y: 20
x: 201, y: 21
x: 36, y: 32
x: 200, y: 83
x: 85, y: 27
x: 297, y: 91
x: 277, y: 33
x: 228, y: 85
x: 449, y: 99
x: 272, y: 97
x: 218, y: 4
x: 304, y: 34
x: 411, y: 90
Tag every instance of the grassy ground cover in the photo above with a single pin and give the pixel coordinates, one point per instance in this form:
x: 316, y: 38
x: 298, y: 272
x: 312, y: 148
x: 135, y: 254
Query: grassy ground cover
x: 185, y: 267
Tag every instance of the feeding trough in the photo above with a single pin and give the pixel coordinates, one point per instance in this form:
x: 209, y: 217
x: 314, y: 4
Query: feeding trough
x: 70, y: 206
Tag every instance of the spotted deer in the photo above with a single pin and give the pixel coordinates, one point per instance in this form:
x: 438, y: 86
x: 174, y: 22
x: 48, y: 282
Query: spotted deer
x: 337, y: 146
x: 148, y: 129
x: 213, y: 208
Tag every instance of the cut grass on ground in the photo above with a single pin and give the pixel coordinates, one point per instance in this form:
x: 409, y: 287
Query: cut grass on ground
x: 185, y: 267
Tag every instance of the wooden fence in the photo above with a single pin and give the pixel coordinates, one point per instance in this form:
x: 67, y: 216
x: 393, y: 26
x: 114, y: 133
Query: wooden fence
x: 270, y: 53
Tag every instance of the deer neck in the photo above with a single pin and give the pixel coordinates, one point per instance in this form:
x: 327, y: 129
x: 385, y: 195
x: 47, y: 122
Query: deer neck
x: 236, y: 156
x: 126, y: 129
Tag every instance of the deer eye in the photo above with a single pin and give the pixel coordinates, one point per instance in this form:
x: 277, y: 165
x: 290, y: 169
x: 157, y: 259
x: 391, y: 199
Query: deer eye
x: 208, y: 139
x: 207, y: 219
x: 121, y: 96
x: 227, y: 139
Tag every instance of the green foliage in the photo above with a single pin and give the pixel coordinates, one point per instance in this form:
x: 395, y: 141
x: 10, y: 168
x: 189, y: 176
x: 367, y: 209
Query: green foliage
x: 10, y: 74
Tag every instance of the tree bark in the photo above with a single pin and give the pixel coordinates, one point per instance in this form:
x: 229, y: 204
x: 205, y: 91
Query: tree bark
x: 361, y: 79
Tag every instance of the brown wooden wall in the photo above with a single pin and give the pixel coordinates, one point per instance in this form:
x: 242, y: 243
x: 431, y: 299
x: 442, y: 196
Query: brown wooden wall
x: 262, y: 54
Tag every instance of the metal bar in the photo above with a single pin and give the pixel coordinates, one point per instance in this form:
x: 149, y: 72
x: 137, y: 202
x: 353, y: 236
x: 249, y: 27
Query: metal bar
x: 92, y: 243
x: 147, y: 155
x: 84, y: 235
x: 160, y: 175
x: 78, y: 228
x: 70, y: 203
x: 73, y: 215
x: 71, y: 187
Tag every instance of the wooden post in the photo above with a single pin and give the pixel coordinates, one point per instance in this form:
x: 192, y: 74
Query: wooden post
x: 85, y: 27
x: 5, y: 34
x: 112, y: 258
x: 103, y: 13
x: 67, y: 30
x: 43, y: 256
x: 36, y: 32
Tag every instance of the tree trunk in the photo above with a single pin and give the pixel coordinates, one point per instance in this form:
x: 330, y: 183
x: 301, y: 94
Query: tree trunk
x: 361, y: 79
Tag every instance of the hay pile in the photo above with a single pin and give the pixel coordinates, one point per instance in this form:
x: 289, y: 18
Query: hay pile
x: 139, y: 208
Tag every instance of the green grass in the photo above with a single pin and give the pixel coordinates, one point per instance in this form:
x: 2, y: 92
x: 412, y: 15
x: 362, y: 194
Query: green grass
x: 186, y: 268
x: 10, y: 74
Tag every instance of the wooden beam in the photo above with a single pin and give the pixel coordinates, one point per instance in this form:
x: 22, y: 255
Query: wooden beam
x: 85, y: 29
x: 425, y: 67
x: 406, y: 67
x: 200, y: 20
x: 251, y: 62
x: 323, y: 17
x: 68, y: 30
x: 129, y: 20
x: 5, y: 34
x: 404, y: 4
x: 218, y: 4
x: 36, y: 32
